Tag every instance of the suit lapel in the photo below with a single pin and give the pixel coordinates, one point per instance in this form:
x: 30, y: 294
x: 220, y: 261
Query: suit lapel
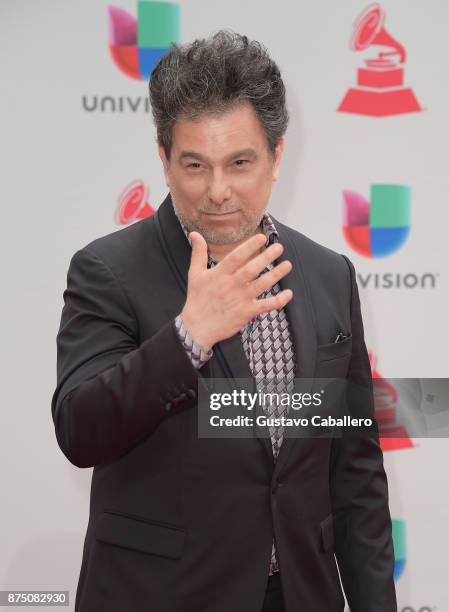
x: 299, y: 310
x: 301, y: 326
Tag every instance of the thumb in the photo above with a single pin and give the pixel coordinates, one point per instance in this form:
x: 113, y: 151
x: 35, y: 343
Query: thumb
x: 198, y: 260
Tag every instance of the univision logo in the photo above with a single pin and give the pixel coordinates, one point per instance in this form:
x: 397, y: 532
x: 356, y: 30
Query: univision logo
x: 136, y: 45
x: 380, y: 226
x: 398, y: 532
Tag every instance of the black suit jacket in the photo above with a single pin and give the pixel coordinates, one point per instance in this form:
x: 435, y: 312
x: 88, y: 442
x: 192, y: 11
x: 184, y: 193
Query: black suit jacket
x: 185, y: 524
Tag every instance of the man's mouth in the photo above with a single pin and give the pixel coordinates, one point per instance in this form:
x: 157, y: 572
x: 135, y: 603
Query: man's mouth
x: 221, y: 214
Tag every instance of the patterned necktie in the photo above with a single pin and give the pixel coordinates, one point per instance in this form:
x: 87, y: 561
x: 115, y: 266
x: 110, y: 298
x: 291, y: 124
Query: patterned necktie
x: 269, y: 350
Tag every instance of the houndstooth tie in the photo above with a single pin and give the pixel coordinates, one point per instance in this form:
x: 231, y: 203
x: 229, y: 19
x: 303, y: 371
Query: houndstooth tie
x: 269, y: 350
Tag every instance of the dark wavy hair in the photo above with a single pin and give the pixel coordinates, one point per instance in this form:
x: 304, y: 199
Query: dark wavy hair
x: 213, y: 75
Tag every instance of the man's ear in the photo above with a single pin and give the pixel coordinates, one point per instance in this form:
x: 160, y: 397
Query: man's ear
x: 277, y: 157
x: 165, y: 163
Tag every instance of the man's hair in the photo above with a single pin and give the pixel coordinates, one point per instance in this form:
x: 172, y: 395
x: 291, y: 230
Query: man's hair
x: 212, y: 76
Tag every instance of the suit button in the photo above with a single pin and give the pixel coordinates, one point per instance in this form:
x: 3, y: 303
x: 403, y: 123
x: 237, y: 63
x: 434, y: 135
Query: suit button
x: 191, y: 393
x: 168, y: 406
x: 183, y: 396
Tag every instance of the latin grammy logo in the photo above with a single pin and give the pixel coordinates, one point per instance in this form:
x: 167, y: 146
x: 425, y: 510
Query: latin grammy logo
x: 380, y: 87
x: 386, y: 400
x: 133, y: 204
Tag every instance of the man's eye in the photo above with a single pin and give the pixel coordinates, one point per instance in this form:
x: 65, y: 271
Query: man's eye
x: 194, y: 165
x: 241, y: 162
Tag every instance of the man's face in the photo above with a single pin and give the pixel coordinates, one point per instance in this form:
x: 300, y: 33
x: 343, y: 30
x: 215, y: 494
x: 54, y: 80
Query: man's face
x: 220, y: 174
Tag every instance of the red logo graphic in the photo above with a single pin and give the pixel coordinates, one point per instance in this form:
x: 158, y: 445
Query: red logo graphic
x: 380, y: 87
x: 385, y: 403
x: 133, y: 204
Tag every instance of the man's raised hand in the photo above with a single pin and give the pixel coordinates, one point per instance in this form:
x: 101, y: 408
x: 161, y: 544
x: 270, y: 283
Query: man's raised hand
x: 223, y: 299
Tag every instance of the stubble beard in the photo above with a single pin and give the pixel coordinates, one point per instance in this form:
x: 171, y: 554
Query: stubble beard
x: 247, y: 228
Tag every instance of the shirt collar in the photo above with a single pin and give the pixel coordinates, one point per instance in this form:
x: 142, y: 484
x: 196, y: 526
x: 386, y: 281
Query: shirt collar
x: 266, y: 224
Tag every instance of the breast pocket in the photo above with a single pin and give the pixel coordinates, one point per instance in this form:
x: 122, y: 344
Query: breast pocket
x: 335, y: 350
x: 333, y: 359
x: 142, y: 535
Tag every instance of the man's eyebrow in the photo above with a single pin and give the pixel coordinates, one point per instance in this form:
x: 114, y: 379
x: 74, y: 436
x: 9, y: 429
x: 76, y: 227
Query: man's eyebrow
x: 249, y: 152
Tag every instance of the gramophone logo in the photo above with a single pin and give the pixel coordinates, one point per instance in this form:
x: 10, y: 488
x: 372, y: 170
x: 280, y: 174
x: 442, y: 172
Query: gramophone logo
x: 132, y: 204
x: 380, y: 87
x: 136, y: 45
x: 386, y: 398
x: 377, y: 227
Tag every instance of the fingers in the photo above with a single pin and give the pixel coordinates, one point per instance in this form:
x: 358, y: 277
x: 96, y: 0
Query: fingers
x: 268, y: 279
x: 198, y: 259
x: 253, y: 268
x: 275, y: 302
x: 241, y: 254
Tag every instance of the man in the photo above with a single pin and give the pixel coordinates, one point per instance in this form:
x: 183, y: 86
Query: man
x: 213, y: 286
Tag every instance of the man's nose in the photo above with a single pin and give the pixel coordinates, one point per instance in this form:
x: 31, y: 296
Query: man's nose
x: 219, y: 189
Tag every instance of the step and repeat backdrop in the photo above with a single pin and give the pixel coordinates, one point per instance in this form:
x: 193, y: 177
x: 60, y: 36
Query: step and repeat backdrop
x: 365, y: 172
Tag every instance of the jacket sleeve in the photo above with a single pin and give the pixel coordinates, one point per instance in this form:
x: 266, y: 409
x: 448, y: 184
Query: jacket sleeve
x: 111, y: 392
x: 359, y: 492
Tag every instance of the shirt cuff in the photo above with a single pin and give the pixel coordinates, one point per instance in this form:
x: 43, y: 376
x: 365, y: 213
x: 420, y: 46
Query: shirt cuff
x: 198, y: 356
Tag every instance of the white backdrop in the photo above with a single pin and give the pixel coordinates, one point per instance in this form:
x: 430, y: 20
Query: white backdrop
x: 64, y: 168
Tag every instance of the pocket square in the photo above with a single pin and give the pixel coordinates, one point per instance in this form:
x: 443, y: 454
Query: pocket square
x: 340, y: 337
